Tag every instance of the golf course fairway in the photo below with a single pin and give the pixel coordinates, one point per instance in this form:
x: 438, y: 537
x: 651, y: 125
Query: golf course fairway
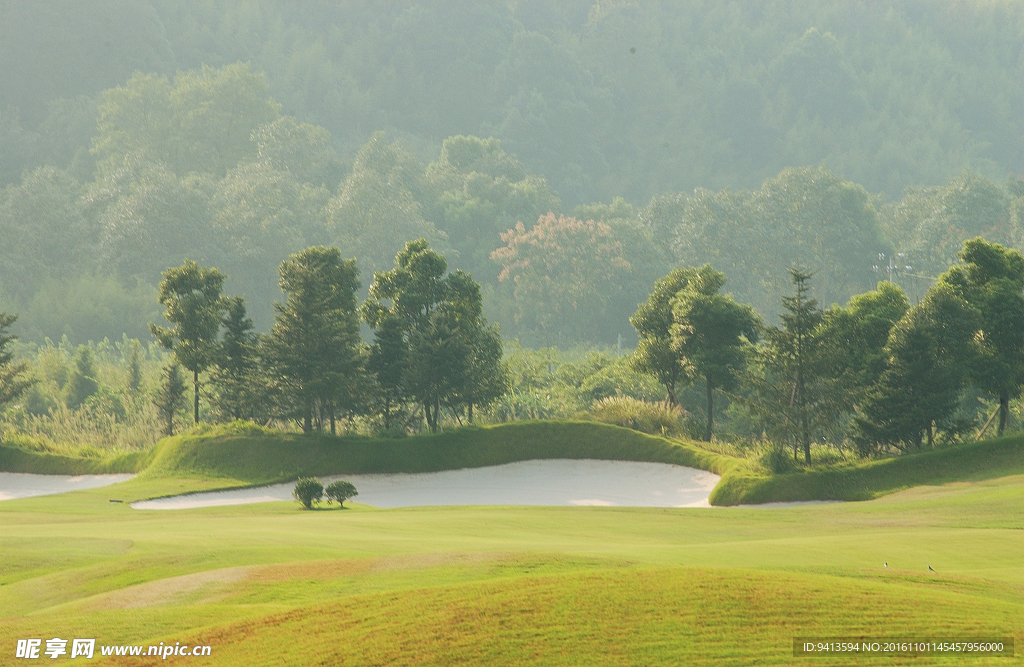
x: 272, y: 584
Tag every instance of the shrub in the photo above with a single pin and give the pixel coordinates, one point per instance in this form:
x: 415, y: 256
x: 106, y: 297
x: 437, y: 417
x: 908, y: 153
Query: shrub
x: 657, y: 418
x: 308, y: 491
x: 340, y: 491
x: 777, y: 459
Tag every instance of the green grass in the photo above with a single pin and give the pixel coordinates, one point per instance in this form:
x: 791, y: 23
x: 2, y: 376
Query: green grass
x: 272, y: 584
x: 870, y: 479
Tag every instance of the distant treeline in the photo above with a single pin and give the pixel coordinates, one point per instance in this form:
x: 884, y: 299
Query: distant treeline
x: 693, y: 112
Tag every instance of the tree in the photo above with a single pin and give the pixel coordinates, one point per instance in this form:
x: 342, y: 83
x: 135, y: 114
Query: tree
x: 202, y: 121
x: 378, y: 204
x: 82, y: 381
x: 340, y: 491
x: 563, y: 277
x: 991, y: 279
x: 170, y: 398
x: 235, y: 363
x: 451, y: 356
x: 709, y: 331
x: 192, y: 302
x: 13, y: 376
x: 929, y: 354
x: 308, y: 491
x: 314, y: 347
x: 134, y: 371
x: 792, y: 355
x: 851, y: 339
x: 653, y: 321
x: 478, y: 192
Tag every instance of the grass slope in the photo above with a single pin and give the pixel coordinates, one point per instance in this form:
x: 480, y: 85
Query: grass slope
x: 870, y: 479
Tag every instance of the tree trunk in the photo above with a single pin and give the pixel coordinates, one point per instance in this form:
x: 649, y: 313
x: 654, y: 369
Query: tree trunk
x: 1004, y: 412
x: 307, y: 420
x: 711, y: 410
x: 806, y: 438
x: 195, y: 402
x: 469, y: 414
x: 673, y: 399
x: 333, y: 432
x: 931, y: 435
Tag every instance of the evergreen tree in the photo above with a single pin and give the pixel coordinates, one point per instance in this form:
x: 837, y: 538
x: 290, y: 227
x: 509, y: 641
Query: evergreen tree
x: 388, y: 365
x: 451, y: 356
x: 170, y: 398
x: 314, y: 347
x: 192, y: 302
x: 799, y: 400
x: 236, y: 363
x: 13, y: 376
x: 82, y: 381
x: 134, y: 379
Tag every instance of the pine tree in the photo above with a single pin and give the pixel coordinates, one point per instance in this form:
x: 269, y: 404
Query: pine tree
x: 14, y: 378
x: 82, y: 382
x: 314, y: 347
x: 170, y: 398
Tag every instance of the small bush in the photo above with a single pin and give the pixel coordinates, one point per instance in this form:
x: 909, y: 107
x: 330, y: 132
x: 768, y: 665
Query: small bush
x: 308, y: 491
x: 660, y: 418
x: 777, y: 459
x: 340, y: 491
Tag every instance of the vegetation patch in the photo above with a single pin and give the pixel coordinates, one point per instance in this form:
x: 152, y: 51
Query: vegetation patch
x: 870, y: 479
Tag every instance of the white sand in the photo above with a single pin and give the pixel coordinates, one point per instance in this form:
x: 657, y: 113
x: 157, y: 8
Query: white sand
x: 23, y: 485
x: 538, y: 482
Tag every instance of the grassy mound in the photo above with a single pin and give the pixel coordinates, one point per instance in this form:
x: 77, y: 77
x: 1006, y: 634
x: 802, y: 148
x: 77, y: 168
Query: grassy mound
x: 987, y: 459
x: 262, y: 457
x: 240, y: 454
x: 17, y: 459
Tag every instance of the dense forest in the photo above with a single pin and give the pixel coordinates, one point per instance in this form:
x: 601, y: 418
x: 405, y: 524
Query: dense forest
x: 562, y: 159
x: 565, y: 154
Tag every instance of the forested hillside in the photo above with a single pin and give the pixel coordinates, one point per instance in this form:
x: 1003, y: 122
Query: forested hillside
x: 567, y: 154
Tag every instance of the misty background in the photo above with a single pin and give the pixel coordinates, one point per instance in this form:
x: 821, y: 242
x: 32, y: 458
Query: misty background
x: 567, y: 154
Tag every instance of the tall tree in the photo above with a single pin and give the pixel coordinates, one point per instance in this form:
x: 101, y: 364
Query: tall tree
x: 314, y: 344
x: 991, y: 279
x: 793, y: 350
x: 447, y: 346
x: 236, y: 362
x: 13, y: 376
x: 191, y: 297
x: 929, y: 354
x: 655, y: 354
x: 170, y: 397
x: 709, y: 331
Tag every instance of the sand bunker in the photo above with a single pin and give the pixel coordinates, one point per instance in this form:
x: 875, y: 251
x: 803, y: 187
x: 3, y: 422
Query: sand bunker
x: 540, y: 482
x: 23, y: 485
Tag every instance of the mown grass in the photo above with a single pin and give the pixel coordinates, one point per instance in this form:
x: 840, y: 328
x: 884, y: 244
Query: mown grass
x: 272, y: 584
